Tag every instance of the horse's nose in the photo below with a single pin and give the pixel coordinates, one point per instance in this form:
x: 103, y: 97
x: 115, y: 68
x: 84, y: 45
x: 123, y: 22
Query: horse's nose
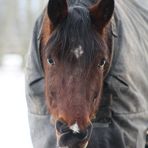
x: 61, y: 127
x: 68, y: 136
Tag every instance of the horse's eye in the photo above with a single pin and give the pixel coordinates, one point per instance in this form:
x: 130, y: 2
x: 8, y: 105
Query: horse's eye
x: 102, y: 63
x: 50, y: 61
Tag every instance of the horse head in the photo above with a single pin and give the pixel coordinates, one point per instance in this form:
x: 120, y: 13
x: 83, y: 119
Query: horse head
x: 76, y: 59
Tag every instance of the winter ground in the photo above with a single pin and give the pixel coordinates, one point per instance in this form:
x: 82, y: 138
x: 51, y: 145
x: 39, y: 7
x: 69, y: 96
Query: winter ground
x: 14, y: 130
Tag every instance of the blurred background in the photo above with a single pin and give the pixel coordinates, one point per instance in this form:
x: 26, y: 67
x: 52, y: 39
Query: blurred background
x: 17, y: 18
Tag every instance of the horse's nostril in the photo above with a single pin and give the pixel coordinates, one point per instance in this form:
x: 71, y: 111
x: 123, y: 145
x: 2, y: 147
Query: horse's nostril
x: 61, y: 127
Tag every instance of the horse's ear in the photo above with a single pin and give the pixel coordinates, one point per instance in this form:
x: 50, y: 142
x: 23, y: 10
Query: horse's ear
x: 101, y: 13
x: 57, y: 10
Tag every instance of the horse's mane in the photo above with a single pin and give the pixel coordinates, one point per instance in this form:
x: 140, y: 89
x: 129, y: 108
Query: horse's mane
x: 75, y: 30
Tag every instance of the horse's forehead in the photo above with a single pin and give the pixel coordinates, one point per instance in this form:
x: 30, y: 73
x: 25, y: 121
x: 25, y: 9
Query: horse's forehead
x: 78, y: 51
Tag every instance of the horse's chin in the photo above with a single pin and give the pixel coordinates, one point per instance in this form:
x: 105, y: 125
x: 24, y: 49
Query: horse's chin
x: 68, y: 140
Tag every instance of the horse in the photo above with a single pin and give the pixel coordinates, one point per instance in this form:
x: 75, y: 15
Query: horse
x: 76, y: 53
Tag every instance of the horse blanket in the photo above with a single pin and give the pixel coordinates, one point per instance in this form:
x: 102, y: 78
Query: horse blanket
x: 126, y: 85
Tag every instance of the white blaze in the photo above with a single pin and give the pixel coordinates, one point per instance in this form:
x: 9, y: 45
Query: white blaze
x: 75, y: 128
x: 78, y: 51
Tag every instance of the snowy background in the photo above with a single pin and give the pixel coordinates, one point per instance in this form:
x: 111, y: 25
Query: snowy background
x: 17, y: 19
x: 14, y: 130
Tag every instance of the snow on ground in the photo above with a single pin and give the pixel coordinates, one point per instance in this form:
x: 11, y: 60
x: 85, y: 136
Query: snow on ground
x: 14, y: 130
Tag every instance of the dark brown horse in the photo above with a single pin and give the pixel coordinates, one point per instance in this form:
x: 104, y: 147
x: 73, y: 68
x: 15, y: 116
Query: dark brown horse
x: 76, y: 53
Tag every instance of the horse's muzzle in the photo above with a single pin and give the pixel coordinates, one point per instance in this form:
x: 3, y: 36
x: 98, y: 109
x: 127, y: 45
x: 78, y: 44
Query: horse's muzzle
x: 67, y: 138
